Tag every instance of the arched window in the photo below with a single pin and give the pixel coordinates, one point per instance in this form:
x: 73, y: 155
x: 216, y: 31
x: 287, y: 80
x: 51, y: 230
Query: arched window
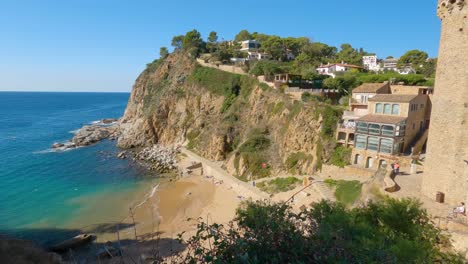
x: 387, y: 109
x: 395, y: 109
x: 378, y: 108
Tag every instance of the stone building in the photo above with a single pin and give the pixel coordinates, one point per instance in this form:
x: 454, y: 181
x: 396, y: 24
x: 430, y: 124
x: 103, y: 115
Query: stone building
x: 394, y: 125
x: 446, y: 165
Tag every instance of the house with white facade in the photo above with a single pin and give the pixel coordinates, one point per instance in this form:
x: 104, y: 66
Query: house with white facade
x: 370, y: 63
x: 332, y: 69
x: 250, y: 45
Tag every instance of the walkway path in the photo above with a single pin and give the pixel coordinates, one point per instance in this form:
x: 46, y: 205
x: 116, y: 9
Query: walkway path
x: 210, y: 168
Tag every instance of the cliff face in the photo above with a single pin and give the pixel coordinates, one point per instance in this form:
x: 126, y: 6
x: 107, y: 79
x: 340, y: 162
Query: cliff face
x: 255, y: 130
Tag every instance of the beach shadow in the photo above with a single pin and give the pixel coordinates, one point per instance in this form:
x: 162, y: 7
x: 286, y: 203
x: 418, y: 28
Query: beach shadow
x: 108, y: 227
x: 148, y: 247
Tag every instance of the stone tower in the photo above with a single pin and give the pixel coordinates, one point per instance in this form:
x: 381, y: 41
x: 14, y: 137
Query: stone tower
x: 446, y: 166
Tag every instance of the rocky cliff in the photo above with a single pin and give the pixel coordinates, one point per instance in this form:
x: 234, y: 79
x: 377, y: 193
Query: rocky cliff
x: 255, y: 130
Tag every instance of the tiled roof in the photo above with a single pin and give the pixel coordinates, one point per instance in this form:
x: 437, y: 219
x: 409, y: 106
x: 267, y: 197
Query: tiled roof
x: 382, y: 119
x: 401, y: 98
x: 369, y: 87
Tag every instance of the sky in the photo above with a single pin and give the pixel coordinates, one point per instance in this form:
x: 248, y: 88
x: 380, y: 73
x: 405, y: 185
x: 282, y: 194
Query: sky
x: 103, y: 45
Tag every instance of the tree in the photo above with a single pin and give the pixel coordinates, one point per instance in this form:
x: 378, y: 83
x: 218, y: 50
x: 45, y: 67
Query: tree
x: 192, y: 39
x: 177, y: 42
x: 351, y: 55
x: 212, y: 37
x: 429, y: 68
x: 163, y: 52
x: 389, y: 231
x: 274, y: 46
x: 242, y: 35
x: 212, y: 42
x: 414, y: 58
x: 193, y: 42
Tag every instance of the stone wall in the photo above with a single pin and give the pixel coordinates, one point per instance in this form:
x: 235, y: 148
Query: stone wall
x: 446, y: 166
x: 226, y: 68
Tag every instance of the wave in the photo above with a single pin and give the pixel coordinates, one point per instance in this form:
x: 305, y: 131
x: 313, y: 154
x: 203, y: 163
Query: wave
x: 149, y: 196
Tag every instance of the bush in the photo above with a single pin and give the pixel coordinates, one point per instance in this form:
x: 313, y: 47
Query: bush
x: 340, y: 156
x: 390, y: 231
x: 346, y: 192
x: 308, y: 97
x: 294, y: 160
x: 330, y: 116
x: 252, y: 151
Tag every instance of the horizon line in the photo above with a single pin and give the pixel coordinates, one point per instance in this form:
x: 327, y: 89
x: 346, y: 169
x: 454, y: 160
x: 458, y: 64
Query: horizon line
x: 22, y: 91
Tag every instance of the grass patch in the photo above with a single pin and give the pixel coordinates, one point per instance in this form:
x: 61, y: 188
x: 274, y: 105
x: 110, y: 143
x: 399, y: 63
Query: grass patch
x: 346, y: 192
x: 192, y: 137
x: 279, y: 185
x: 252, y: 152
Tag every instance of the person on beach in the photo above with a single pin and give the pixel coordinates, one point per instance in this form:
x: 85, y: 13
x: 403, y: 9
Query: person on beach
x: 459, y: 210
x: 396, y: 168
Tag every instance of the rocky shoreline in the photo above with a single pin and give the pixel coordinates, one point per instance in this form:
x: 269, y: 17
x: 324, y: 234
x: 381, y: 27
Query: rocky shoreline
x: 155, y: 158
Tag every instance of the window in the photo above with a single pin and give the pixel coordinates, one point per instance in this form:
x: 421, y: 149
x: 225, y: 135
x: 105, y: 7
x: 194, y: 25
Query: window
x: 387, y: 109
x: 378, y: 108
x: 387, y: 130
x: 374, y: 129
x: 414, y: 126
x: 386, y: 145
x: 422, y: 106
x: 362, y: 127
x: 360, y: 142
x: 373, y: 143
x: 395, y: 109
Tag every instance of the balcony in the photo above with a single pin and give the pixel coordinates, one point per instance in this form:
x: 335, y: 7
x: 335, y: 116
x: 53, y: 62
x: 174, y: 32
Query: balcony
x: 353, y: 101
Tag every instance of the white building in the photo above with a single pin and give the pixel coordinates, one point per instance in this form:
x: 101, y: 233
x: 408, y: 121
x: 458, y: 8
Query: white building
x: 390, y: 64
x: 370, y: 63
x: 332, y: 69
x: 253, y: 55
x: 250, y: 45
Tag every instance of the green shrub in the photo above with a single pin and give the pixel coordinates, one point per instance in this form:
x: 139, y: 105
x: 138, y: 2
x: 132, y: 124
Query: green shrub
x: 279, y: 185
x: 192, y: 137
x: 294, y: 159
x: 346, y: 192
x: 331, y: 116
x: 278, y: 108
x: 390, y: 231
x: 340, y: 156
x: 264, y: 86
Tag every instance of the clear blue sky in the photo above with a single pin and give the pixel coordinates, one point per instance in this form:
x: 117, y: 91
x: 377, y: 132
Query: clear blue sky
x: 102, y: 45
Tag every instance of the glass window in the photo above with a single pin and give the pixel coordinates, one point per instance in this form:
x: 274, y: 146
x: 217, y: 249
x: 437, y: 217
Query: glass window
x: 387, y: 130
x: 378, y: 108
x: 373, y: 143
x: 387, y: 109
x: 362, y: 127
x: 395, y: 109
x: 374, y: 129
x: 360, y: 141
x: 386, y: 145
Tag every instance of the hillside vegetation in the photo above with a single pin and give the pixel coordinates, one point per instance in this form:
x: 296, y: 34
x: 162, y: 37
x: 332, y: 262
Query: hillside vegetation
x: 257, y: 131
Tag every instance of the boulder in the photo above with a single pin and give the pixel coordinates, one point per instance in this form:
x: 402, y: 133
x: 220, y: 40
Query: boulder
x: 57, y: 145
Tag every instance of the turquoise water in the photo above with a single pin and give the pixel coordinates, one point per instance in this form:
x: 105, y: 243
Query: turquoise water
x: 41, y: 192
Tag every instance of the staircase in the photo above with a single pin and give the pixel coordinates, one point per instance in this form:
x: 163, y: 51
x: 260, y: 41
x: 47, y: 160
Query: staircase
x: 324, y: 191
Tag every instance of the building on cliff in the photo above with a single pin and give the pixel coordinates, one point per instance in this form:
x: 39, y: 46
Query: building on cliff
x: 393, y: 128
x: 446, y: 165
x: 385, y: 123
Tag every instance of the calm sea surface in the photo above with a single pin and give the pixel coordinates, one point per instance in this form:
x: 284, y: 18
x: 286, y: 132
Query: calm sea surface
x: 42, y: 192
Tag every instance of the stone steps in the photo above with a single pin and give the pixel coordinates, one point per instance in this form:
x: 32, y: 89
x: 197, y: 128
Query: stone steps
x: 325, y: 191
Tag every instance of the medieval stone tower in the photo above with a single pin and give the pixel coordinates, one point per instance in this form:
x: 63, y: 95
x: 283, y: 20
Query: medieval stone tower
x: 446, y: 166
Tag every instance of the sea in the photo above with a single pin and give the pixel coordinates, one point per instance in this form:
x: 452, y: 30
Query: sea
x: 47, y: 196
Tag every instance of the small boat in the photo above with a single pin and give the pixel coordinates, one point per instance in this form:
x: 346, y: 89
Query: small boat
x: 74, y: 242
